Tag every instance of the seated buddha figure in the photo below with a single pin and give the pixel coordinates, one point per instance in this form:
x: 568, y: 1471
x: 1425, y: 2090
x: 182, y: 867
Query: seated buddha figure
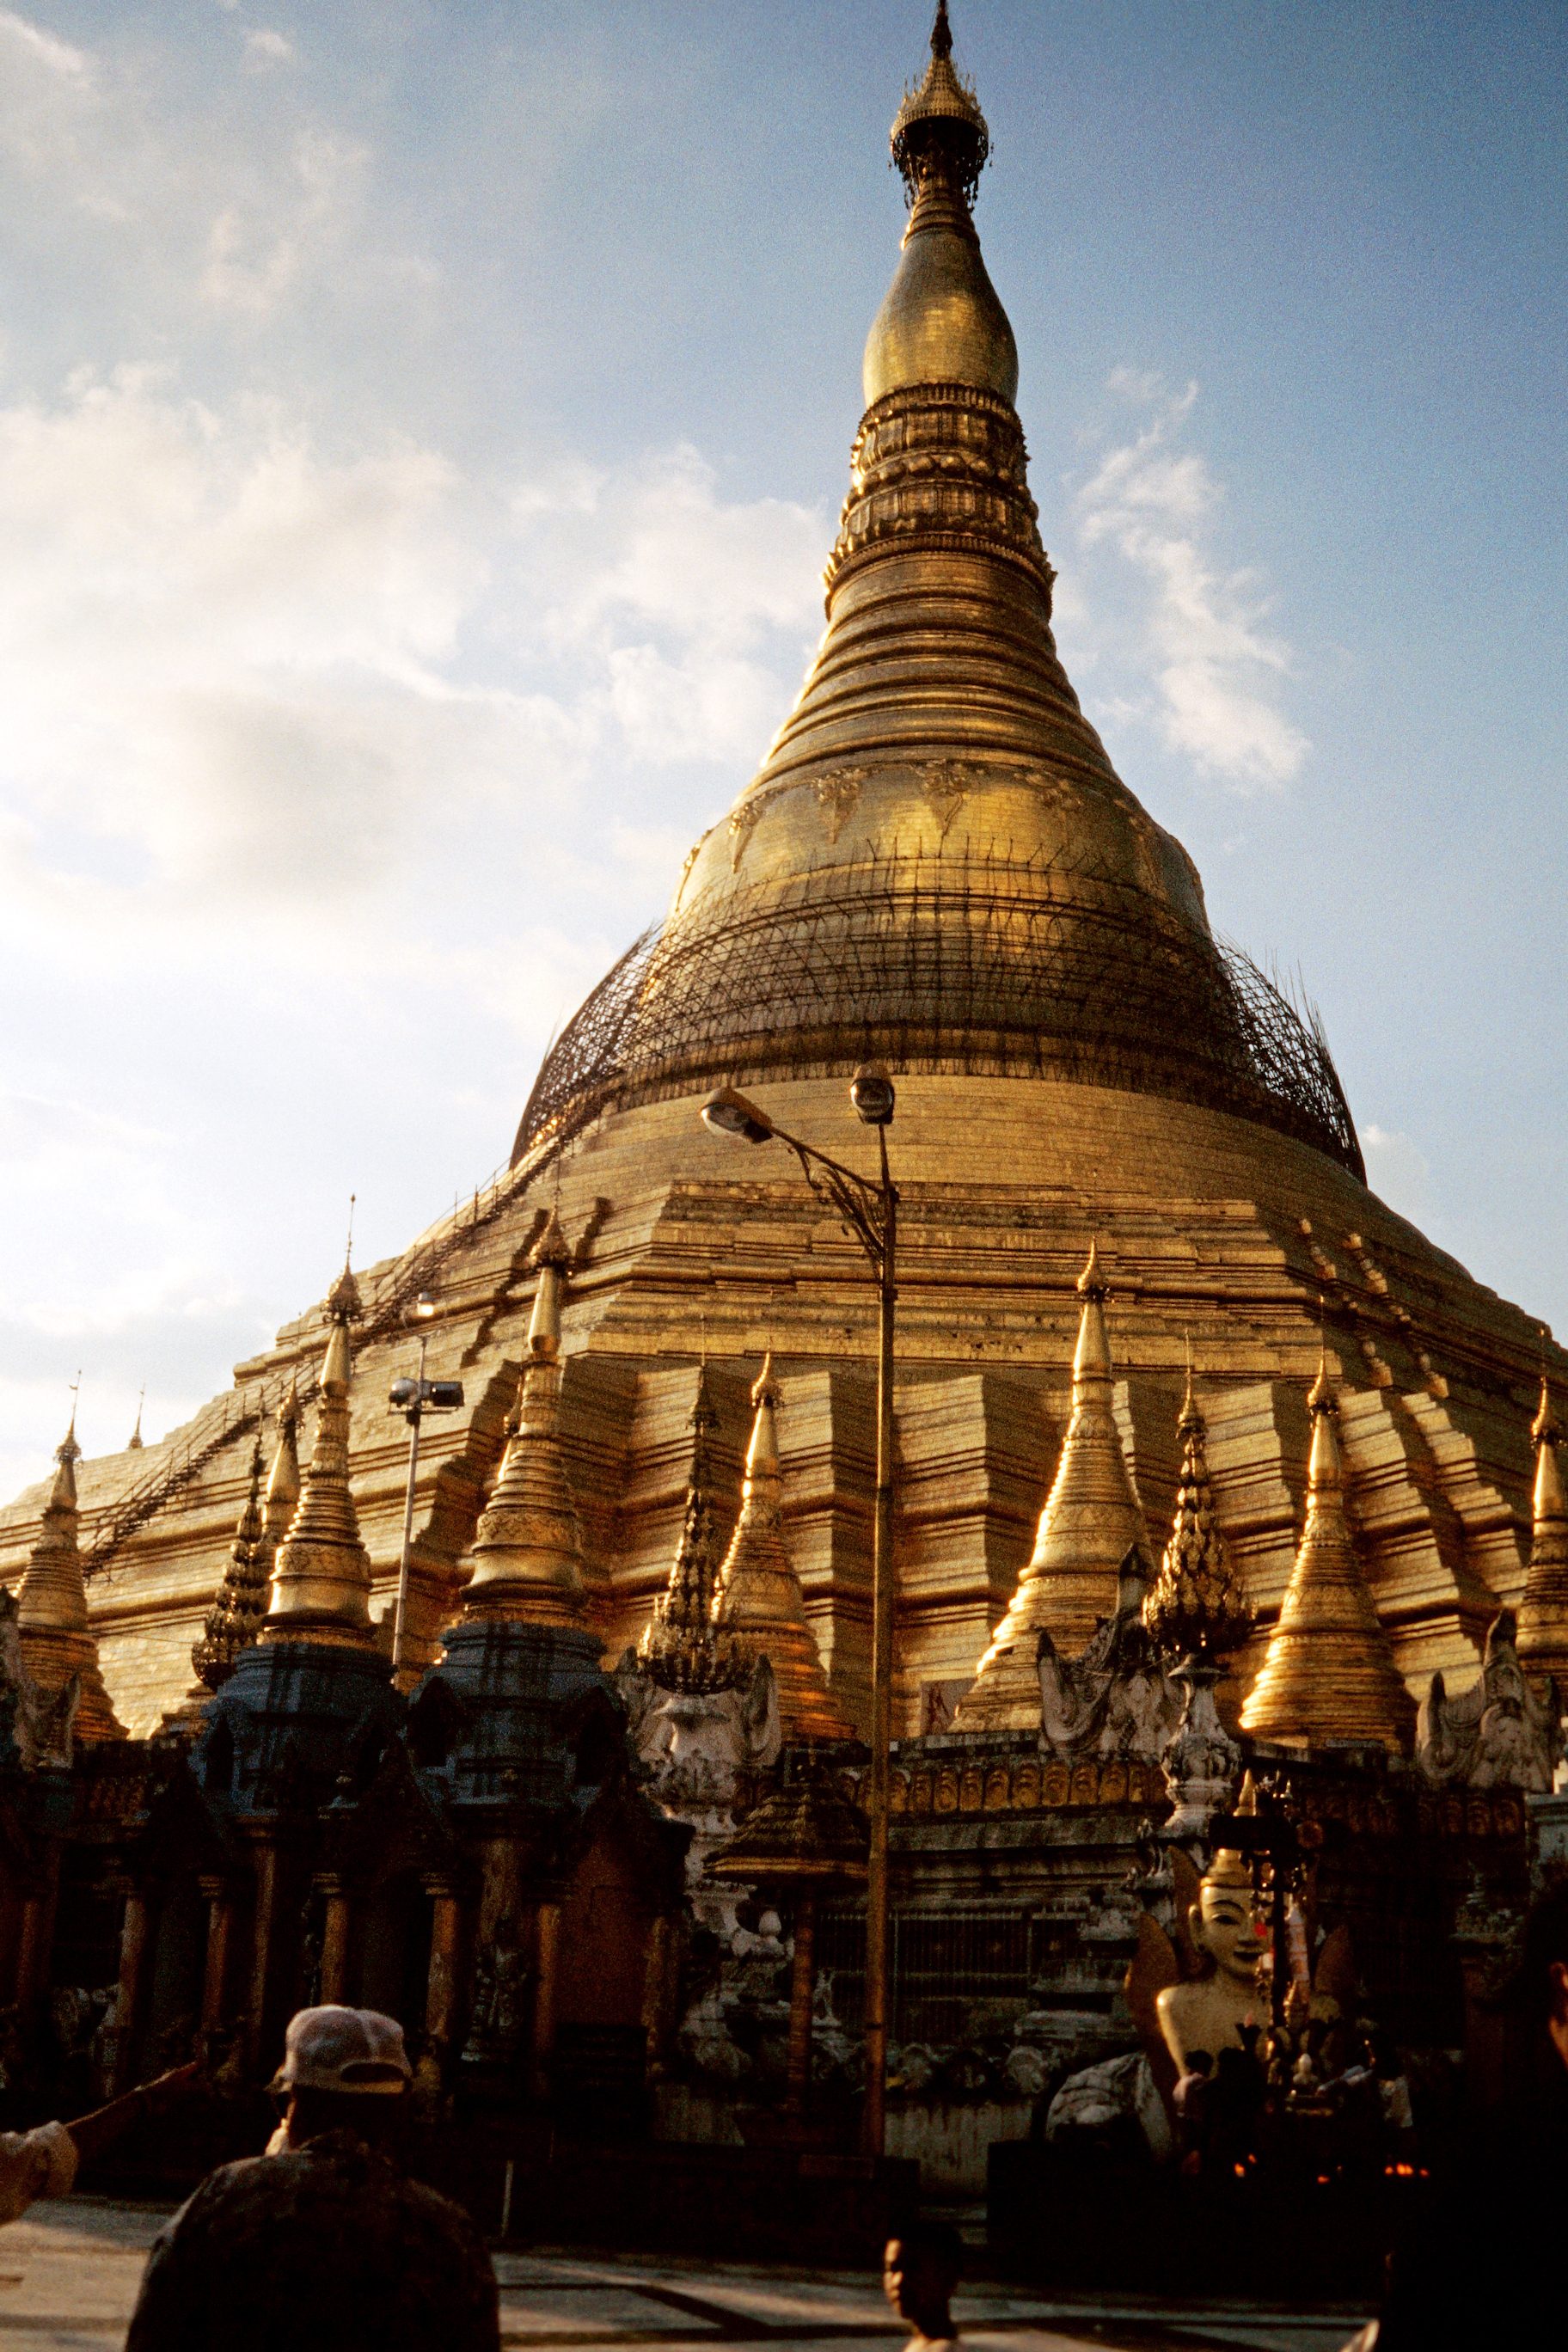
x: 1204, y: 2016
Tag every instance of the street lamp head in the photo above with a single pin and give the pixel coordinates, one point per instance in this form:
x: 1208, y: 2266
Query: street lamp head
x: 421, y: 1311
x: 872, y: 1092
x: 730, y: 1113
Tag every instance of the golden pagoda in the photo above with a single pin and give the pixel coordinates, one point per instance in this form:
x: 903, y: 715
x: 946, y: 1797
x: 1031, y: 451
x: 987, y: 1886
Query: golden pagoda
x: 528, y: 1552
x: 758, y: 1604
x: 321, y: 1576
x: 1090, y: 1523
x: 58, y: 1640
x: 1330, y: 1671
x: 1196, y: 1608
x: 935, y: 867
x: 282, y: 1499
x: 1543, y: 1641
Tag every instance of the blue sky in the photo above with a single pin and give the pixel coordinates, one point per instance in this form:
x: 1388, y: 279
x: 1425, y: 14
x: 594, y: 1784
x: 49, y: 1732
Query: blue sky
x: 421, y: 429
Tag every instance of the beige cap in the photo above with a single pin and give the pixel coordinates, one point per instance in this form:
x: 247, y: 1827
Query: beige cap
x: 336, y: 2049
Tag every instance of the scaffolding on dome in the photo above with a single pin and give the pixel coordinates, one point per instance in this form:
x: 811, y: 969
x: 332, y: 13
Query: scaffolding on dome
x: 984, y: 965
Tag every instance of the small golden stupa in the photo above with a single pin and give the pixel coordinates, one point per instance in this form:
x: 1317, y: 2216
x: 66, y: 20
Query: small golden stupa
x: 1090, y: 1522
x: 527, y: 1551
x: 51, y: 1607
x: 322, y: 1577
x: 1543, y: 1641
x: 1330, y: 1671
x: 757, y: 1604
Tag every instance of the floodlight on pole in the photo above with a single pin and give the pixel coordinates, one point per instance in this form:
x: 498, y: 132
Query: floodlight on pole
x: 413, y: 1399
x: 871, y: 1210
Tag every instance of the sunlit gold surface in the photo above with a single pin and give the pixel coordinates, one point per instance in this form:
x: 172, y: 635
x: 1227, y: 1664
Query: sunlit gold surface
x: 1543, y: 1641
x: 51, y: 1607
x: 759, y: 1602
x: 528, y: 1552
x: 321, y: 1579
x: 1197, y: 1606
x: 1089, y: 1526
x: 1330, y: 1671
x: 940, y: 321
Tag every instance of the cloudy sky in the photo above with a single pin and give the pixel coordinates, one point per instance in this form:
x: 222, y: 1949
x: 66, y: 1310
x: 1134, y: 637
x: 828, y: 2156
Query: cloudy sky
x: 421, y: 429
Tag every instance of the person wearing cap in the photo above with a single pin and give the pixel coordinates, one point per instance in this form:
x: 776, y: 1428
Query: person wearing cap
x: 335, y: 2062
x: 322, y: 2243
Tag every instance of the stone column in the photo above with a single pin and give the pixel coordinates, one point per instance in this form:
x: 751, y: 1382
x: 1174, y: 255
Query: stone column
x: 220, y: 1929
x: 334, y: 1943
x: 547, y: 1954
x: 35, y: 1940
x: 801, y: 1981
x: 656, y: 1991
x: 133, y: 1954
x: 261, y: 1948
x: 441, y: 1984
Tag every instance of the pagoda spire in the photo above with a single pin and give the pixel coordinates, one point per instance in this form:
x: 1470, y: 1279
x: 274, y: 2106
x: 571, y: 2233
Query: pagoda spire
x: 239, y: 1605
x: 282, y: 1497
x: 1329, y: 1672
x: 759, y: 1604
x: 1197, y: 1608
x: 680, y: 1648
x: 58, y: 1640
x: 528, y: 1552
x: 1091, y: 1522
x: 136, y: 1443
x: 1543, y: 1641
x: 322, y: 1577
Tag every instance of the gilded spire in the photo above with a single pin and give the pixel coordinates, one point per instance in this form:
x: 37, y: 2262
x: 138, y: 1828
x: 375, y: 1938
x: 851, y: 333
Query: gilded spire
x: 58, y: 1640
x: 759, y: 1604
x: 1090, y: 1523
x: 1543, y: 1641
x: 134, y: 1443
x: 528, y: 1552
x: 680, y: 1647
x: 239, y: 1605
x: 283, y: 1482
x: 1330, y: 1671
x: 321, y: 1576
x: 940, y: 321
x: 1197, y: 1609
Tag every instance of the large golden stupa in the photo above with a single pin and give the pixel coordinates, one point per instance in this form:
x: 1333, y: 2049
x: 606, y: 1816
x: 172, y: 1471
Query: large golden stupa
x: 936, y: 866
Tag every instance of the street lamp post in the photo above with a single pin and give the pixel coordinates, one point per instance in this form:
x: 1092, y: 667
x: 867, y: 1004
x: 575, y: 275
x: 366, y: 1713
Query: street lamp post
x: 871, y: 1212
x: 413, y: 1399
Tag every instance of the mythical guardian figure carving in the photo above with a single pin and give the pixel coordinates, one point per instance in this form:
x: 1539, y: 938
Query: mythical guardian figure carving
x: 37, y: 1730
x: 1118, y: 1698
x: 1498, y: 1734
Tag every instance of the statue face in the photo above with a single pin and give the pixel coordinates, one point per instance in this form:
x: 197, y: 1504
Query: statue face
x: 1222, y: 1927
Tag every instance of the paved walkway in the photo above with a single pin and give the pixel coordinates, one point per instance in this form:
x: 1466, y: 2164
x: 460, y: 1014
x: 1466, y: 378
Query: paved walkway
x: 69, y: 2271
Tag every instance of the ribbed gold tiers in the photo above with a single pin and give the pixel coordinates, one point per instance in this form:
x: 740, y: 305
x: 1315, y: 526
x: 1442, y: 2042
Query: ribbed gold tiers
x: 1330, y: 1671
x: 1090, y: 1522
x: 527, y: 1551
x: 51, y: 1608
x: 1543, y: 1641
x: 759, y: 1604
x: 322, y: 1577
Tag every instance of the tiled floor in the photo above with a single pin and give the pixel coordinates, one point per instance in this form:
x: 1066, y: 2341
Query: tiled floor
x: 68, y: 2276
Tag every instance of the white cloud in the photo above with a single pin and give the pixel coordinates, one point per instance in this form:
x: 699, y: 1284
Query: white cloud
x: 1399, y: 1172
x: 265, y: 48
x: 1213, y: 668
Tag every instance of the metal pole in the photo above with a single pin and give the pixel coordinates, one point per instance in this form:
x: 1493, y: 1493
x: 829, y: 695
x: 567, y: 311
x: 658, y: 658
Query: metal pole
x: 877, y: 1972
x: 414, y: 1414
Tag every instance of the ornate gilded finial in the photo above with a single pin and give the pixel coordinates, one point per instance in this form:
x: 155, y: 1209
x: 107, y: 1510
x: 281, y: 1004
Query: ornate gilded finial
x: 240, y: 1605
x: 321, y: 1575
x: 528, y: 1549
x: 1091, y: 1522
x: 679, y: 1646
x: 1543, y: 1636
x: 58, y: 1645
x: 1329, y: 1672
x: 1197, y: 1608
x: 133, y: 1443
x: 940, y: 131
x: 759, y: 1609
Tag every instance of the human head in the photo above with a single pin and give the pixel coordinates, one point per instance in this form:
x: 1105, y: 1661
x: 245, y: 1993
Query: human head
x: 1221, y: 1917
x: 342, y: 2068
x: 919, y: 2270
